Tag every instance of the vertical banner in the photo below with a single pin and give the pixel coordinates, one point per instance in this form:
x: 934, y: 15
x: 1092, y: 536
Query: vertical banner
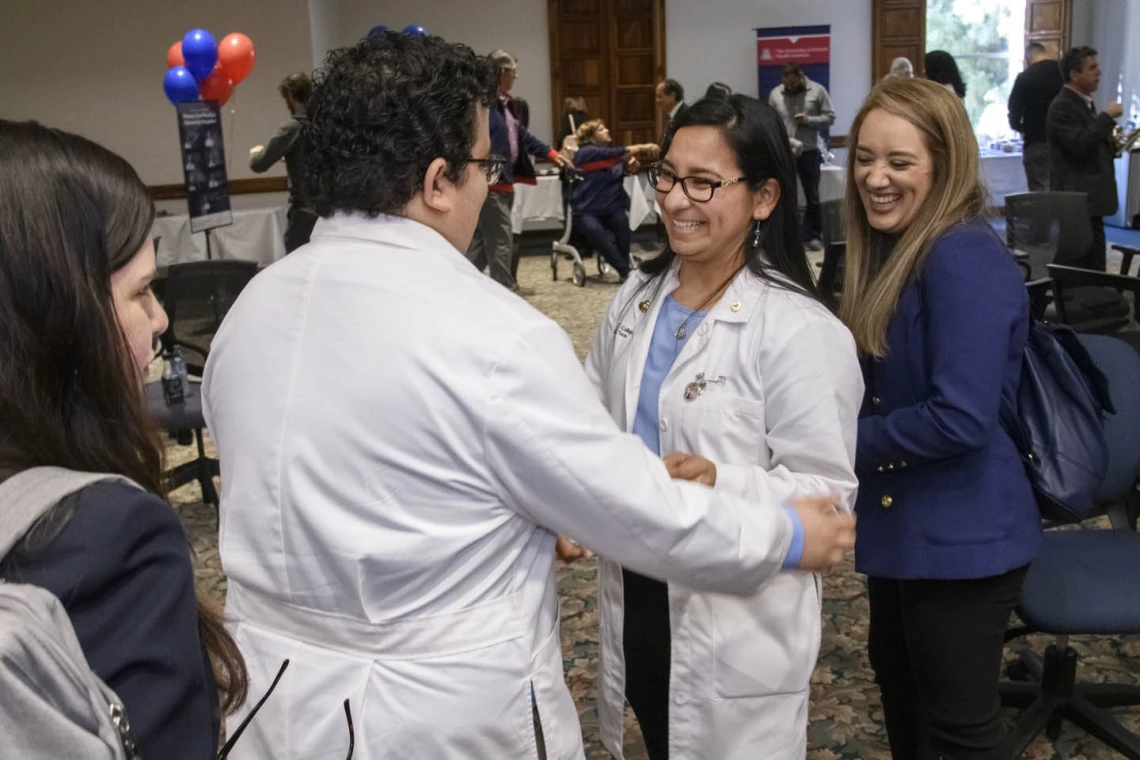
x: 809, y: 46
x: 204, y: 165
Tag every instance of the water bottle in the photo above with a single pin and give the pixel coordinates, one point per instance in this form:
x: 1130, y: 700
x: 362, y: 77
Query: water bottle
x: 172, y: 388
x: 178, y: 366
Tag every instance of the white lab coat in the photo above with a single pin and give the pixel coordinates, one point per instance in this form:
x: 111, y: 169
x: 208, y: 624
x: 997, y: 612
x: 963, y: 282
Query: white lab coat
x: 399, y: 436
x: 778, y: 416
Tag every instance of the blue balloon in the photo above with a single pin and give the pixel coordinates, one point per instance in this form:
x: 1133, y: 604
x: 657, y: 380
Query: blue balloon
x: 415, y: 29
x: 179, y: 85
x: 200, y: 52
x: 377, y: 31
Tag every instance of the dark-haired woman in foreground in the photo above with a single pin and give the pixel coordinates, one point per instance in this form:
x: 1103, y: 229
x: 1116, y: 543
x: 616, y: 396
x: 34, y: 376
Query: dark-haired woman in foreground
x: 721, y: 356
x: 77, y: 325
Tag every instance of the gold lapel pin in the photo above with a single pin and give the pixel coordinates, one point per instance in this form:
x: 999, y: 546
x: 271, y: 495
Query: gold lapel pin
x: 644, y: 306
x: 735, y: 306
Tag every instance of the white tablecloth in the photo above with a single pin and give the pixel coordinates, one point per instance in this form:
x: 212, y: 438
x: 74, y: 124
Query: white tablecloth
x: 256, y: 235
x: 539, y: 206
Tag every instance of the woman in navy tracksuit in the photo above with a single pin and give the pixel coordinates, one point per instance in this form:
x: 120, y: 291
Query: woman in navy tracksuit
x: 948, y: 523
x: 600, y: 204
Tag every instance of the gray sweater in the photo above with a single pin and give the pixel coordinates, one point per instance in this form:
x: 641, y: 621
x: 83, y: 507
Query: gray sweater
x: 284, y: 144
x: 813, y: 101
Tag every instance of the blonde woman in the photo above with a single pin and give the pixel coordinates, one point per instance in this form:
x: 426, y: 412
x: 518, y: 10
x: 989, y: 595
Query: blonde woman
x: 947, y: 518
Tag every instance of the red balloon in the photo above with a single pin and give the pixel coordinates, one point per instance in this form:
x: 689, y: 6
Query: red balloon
x: 217, y: 86
x: 235, y: 56
x: 174, y: 56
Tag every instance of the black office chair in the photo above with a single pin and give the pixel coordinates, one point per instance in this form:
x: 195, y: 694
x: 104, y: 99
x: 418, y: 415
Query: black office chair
x: 1084, y: 582
x: 1052, y: 228
x: 197, y: 295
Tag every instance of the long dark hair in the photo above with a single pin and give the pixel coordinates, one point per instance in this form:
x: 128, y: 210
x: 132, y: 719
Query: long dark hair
x: 71, y: 214
x: 757, y: 136
x: 942, y: 68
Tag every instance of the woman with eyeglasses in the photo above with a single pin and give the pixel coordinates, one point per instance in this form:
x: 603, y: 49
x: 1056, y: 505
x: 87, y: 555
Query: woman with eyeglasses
x: 721, y: 356
x: 600, y: 203
x: 78, y: 322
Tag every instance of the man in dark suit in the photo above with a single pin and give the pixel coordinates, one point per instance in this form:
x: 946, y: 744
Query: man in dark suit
x: 1033, y: 91
x: 1081, y: 144
x: 670, y: 96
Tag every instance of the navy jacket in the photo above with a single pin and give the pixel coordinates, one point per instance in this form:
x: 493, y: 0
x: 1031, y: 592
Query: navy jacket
x: 121, y: 566
x: 521, y: 171
x: 600, y: 191
x: 942, y: 490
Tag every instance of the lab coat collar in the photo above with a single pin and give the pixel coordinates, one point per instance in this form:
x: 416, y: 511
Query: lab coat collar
x: 394, y: 231
x: 737, y: 303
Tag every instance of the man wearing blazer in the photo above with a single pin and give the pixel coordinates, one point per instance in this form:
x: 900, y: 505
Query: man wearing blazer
x: 1081, y: 146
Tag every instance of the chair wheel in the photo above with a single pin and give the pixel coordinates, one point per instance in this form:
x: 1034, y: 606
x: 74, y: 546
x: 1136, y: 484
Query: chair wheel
x: 1016, y: 671
x: 579, y: 276
x: 603, y: 266
x: 1053, y: 729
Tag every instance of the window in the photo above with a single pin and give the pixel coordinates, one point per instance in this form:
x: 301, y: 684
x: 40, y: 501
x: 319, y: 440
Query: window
x: 987, y: 39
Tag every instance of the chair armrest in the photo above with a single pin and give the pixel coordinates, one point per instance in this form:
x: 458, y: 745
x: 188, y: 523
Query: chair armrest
x: 1126, y: 254
x: 1074, y: 277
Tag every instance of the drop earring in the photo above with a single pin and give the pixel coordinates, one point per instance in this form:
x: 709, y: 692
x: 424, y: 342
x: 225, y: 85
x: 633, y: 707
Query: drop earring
x: 756, y: 235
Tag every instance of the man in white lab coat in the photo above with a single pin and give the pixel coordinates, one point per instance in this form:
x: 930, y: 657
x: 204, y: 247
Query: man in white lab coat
x: 401, y: 438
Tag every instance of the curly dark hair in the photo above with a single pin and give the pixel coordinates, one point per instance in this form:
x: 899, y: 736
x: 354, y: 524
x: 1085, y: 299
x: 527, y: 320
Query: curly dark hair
x: 382, y: 111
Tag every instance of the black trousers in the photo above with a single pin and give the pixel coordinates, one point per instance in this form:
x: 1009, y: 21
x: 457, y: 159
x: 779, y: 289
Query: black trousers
x: 299, y: 227
x: 808, y: 166
x: 609, y: 235
x: 936, y: 649
x: 646, y: 645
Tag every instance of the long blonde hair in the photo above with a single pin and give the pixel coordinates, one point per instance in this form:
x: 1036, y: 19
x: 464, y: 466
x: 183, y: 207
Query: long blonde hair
x: 876, y: 270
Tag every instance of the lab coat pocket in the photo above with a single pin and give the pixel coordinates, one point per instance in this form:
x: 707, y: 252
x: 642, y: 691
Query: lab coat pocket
x: 727, y: 428
x: 768, y: 643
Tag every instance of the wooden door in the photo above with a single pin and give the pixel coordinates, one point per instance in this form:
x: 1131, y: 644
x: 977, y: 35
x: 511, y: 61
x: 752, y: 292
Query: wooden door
x: 1049, y: 22
x: 610, y: 53
x: 898, y: 28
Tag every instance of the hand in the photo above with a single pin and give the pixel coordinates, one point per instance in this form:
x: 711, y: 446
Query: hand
x: 691, y: 467
x: 568, y: 550
x: 256, y: 149
x: 632, y: 166
x: 801, y: 117
x: 564, y: 162
x: 829, y: 532
x: 1115, y: 110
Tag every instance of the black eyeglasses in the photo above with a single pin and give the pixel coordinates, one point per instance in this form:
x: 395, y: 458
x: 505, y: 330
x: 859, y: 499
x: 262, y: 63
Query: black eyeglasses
x: 697, y: 189
x: 492, y: 166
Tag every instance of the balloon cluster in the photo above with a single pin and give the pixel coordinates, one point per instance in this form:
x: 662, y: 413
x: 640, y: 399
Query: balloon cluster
x: 200, y: 68
x: 414, y: 29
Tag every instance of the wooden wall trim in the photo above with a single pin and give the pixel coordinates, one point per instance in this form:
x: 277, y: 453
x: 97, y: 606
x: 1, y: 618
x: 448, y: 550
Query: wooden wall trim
x: 247, y: 186
x: 837, y: 141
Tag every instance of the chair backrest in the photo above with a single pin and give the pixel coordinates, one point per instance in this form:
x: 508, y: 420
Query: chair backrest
x: 833, y: 222
x: 1051, y: 227
x: 1120, y: 364
x: 198, y: 295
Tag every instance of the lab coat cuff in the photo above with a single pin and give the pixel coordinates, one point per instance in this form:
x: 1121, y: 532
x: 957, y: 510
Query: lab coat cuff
x: 732, y: 478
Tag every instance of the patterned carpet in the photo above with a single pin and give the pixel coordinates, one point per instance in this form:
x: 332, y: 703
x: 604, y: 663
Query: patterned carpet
x: 846, y: 717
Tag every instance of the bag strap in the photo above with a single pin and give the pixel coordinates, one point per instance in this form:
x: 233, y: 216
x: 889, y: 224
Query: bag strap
x: 29, y: 495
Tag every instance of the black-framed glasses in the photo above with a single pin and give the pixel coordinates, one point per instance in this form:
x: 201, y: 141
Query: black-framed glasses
x: 492, y: 166
x: 697, y: 189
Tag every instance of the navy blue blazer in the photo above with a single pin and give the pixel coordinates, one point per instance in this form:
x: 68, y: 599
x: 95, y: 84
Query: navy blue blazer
x: 521, y: 170
x: 121, y: 566
x: 942, y: 490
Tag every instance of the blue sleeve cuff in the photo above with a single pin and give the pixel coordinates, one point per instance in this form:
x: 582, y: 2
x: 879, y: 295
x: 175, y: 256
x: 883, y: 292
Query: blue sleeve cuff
x: 796, y: 548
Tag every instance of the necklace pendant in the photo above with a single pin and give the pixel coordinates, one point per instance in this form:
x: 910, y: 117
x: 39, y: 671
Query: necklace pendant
x: 682, y: 331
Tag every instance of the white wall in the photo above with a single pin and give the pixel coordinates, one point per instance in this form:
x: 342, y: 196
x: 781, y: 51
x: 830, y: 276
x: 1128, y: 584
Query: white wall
x: 518, y: 26
x: 324, y: 28
x: 96, y: 68
x: 716, y: 41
